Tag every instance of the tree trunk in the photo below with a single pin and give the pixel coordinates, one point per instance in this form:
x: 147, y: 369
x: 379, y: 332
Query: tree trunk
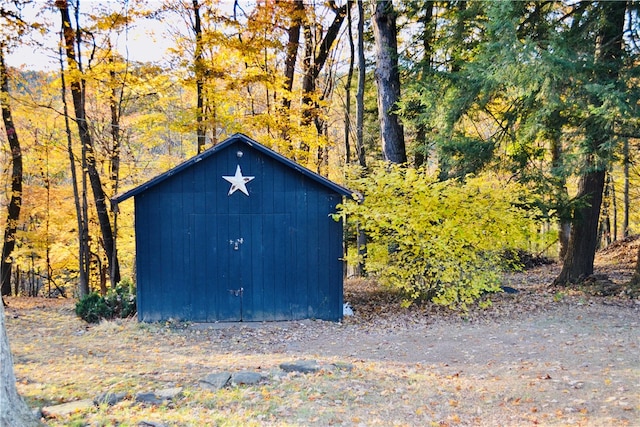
x: 314, y: 60
x: 607, y: 211
x: 80, y: 203
x: 421, y: 150
x: 308, y: 79
x: 13, y: 210
x: 388, y: 82
x: 297, y: 14
x: 362, y: 70
x: 625, y: 217
x: 564, y: 232
x: 583, y: 241
x: 77, y: 94
x: 361, y: 237
x: 199, y: 71
x: 347, y: 87
x: 13, y: 410
x: 115, y: 103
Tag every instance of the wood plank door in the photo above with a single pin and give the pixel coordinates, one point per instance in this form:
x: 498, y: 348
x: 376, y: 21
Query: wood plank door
x: 233, y: 250
x: 267, y: 249
x: 240, y: 267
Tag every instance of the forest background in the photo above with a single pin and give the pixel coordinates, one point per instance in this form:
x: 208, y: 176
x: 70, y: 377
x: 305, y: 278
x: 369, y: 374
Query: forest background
x: 472, y: 128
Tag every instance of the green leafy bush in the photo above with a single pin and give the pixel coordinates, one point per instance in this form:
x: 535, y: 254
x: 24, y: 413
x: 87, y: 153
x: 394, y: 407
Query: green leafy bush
x: 92, y: 308
x: 438, y: 241
x: 119, y: 302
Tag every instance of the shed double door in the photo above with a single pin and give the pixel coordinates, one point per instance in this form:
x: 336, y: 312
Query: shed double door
x: 238, y: 272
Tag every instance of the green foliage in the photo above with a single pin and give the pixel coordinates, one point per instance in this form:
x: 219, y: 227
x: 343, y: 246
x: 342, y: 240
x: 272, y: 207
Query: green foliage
x: 460, y: 156
x: 117, y: 303
x: 122, y: 299
x: 522, y: 91
x: 92, y: 307
x: 438, y: 241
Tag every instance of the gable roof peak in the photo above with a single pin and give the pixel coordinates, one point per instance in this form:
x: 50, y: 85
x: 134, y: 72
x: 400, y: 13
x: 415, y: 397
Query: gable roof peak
x: 221, y: 146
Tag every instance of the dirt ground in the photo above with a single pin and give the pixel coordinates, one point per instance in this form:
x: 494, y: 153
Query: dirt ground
x: 538, y: 357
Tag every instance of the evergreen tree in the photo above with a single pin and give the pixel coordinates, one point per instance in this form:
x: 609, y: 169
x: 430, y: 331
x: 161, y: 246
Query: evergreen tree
x: 606, y: 21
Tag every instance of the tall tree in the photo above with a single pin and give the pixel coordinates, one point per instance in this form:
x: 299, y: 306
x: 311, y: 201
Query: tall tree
x: 199, y: 71
x: 427, y: 20
x: 362, y: 74
x: 13, y: 211
x: 79, y: 193
x: 388, y: 81
x: 530, y: 106
x: 77, y: 86
x: 599, y: 136
x: 315, y: 57
x: 13, y: 410
x: 626, y: 160
x: 441, y: 89
x: 296, y: 15
x: 115, y: 108
x: 361, y: 236
x: 508, y: 87
x: 347, y: 87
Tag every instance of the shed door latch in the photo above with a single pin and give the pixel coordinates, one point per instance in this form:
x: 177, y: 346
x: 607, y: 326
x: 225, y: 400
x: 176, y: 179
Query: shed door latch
x: 236, y: 292
x: 236, y: 243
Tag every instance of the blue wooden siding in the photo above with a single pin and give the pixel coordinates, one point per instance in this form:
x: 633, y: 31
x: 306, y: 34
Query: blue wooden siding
x: 197, y: 246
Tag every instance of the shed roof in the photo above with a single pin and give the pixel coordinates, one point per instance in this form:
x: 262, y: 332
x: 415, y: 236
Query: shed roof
x: 238, y: 137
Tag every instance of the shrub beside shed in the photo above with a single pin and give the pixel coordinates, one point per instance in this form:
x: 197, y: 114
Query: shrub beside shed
x: 238, y: 233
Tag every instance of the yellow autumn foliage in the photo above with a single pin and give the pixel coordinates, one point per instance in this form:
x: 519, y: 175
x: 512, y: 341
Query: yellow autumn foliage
x: 439, y: 241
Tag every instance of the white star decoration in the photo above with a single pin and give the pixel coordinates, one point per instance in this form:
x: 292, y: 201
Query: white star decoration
x: 238, y: 182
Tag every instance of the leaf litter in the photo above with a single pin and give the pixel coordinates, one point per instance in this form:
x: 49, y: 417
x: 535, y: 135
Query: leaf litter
x: 542, y: 356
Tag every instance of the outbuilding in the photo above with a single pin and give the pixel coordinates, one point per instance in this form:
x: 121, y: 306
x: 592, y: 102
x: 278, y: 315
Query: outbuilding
x: 238, y: 233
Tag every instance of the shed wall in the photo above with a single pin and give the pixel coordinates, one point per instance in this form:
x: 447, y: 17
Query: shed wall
x: 288, y: 261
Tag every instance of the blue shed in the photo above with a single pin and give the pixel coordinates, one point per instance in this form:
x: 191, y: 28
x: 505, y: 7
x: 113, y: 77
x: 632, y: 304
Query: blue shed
x: 238, y: 233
